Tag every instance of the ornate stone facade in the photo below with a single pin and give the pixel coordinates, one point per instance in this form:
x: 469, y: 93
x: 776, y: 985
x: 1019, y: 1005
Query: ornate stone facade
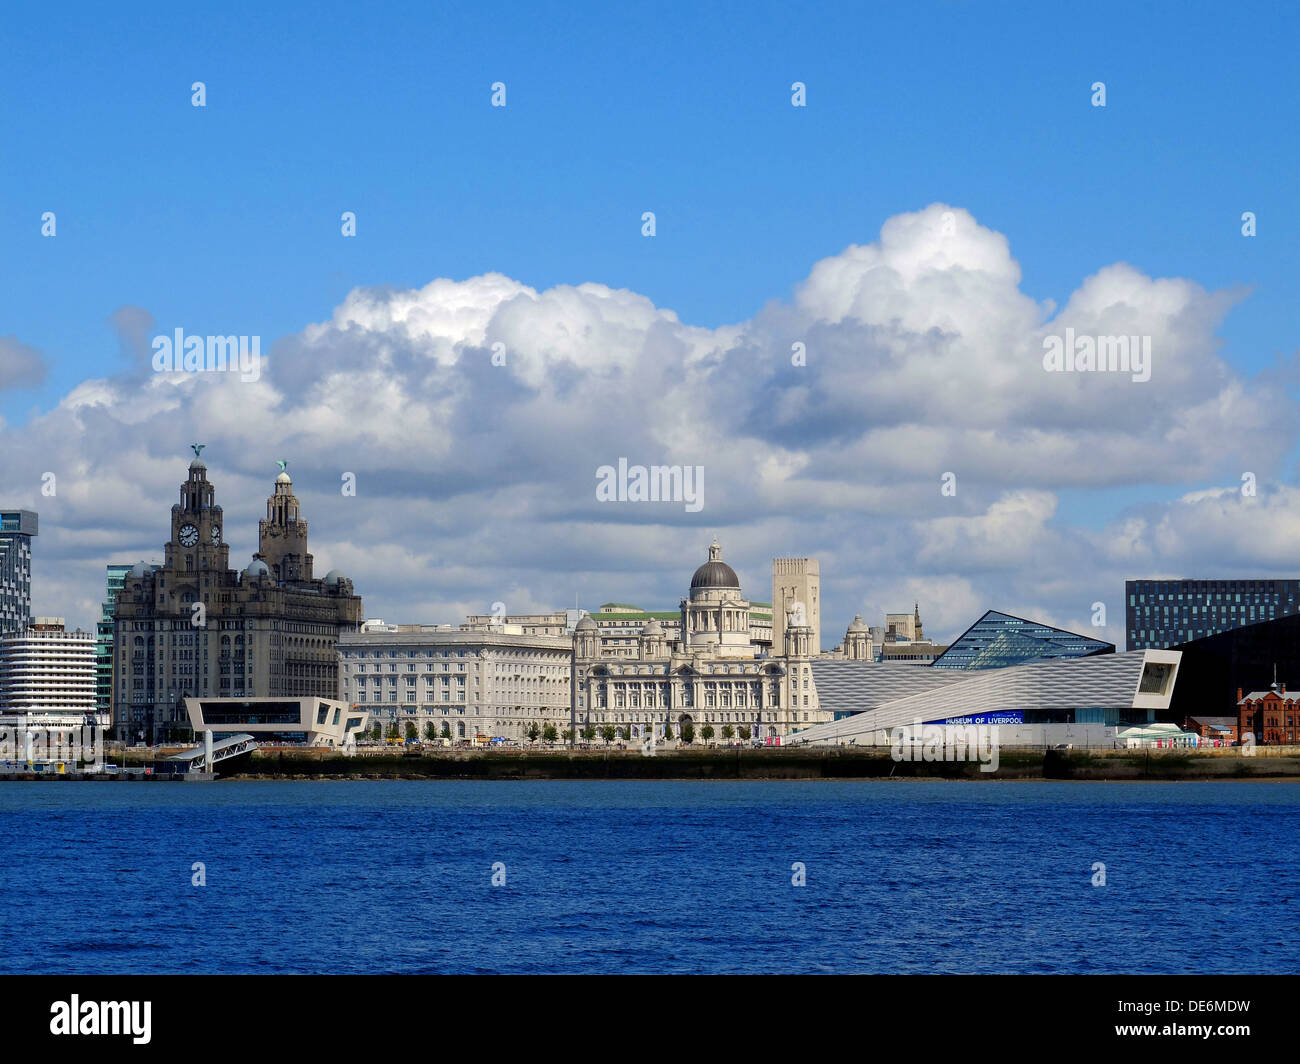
x: 194, y: 627
x: 711, y: 676
x: 463, y: 684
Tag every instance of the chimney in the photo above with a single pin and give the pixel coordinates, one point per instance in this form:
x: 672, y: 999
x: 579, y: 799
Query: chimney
x: 1238, y: 694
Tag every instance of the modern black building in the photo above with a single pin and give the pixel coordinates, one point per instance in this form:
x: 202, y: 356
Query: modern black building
x: 1160, y: 614
x: 1214, y: 667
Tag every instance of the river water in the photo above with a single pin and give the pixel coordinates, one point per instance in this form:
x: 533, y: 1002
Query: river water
x: 617, y: 876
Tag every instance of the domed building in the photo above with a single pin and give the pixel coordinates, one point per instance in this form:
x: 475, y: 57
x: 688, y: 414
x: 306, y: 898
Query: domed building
x: 712, y: 675
x: 857, y: 645
x: 715, y: 618
x: 195, y: 627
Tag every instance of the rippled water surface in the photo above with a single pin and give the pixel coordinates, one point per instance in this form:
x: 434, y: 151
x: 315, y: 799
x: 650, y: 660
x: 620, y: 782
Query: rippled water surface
x: 618, y: 876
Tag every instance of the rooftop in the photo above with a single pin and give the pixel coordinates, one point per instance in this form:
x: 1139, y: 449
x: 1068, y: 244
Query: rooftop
x: 452, y: 637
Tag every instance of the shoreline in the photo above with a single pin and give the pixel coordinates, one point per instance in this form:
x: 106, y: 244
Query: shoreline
x: 770, y: 764
x: 1269, y: 764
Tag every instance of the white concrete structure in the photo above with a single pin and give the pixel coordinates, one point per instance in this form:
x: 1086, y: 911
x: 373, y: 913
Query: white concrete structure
x: 48, y: 673
x: 1083, y: 701
x: 310, y: 721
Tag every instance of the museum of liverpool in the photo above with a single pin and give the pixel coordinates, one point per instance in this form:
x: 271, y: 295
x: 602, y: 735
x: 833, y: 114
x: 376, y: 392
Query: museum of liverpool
x: 1039, y: 685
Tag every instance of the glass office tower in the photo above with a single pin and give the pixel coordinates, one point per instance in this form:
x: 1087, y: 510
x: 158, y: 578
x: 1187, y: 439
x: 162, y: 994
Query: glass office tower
x: 104, y: 643
x: 17, y: 527
x: 1164, y: 613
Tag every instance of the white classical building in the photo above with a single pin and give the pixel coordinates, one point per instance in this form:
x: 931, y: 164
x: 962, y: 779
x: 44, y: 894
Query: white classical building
x: 713, y: 675
x: 465, y: 683
x: 47, y: 675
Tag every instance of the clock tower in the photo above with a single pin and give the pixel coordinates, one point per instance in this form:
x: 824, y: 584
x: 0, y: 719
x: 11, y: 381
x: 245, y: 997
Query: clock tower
x: 194, y: 627
x: 196, y: 544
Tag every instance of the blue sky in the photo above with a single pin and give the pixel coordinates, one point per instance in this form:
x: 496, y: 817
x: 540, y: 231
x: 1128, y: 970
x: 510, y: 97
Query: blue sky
x: 226, y: 218
x: 231, y: 212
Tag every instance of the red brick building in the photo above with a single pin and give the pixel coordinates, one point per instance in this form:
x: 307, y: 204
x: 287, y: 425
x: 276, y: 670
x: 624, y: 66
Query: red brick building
x: 1273, y: 716
x: 1211, y: 728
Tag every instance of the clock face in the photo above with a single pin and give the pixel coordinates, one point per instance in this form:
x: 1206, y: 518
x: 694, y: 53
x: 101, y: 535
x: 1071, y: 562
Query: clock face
x: 189, y: 535
x: 216, y: 533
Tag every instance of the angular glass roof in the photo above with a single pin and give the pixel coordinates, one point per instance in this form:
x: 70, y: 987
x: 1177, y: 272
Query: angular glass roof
x: 999, y: 639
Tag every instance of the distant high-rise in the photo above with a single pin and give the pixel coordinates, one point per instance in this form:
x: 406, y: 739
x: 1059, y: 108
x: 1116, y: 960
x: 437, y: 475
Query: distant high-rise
x: 1164, y: 613
x: 17, y: 527
x: 104, y: 642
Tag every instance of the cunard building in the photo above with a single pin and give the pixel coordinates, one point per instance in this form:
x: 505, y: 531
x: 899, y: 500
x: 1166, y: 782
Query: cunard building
x: 713, y: 675
x: 195, y: 627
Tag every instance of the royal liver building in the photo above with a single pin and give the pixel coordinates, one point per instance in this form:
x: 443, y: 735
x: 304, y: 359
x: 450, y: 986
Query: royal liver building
x: 713, y: 675
x: 195, y: 627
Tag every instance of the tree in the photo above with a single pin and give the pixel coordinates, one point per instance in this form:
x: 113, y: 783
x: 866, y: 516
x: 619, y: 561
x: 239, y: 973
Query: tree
x: 668, y: 732
x: 607, y: 733
x: 411, y: 733
x: 688, y: 733
x: 728, y: 732
x: 706, y: 733
x: 430, y: 731
x: 377, y: 732
x: 534, y: 730
x: 588, y: 733
x: 446, y: 730
x: 392, y: 730
x: 744, y: 732
x: 548, y: 734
